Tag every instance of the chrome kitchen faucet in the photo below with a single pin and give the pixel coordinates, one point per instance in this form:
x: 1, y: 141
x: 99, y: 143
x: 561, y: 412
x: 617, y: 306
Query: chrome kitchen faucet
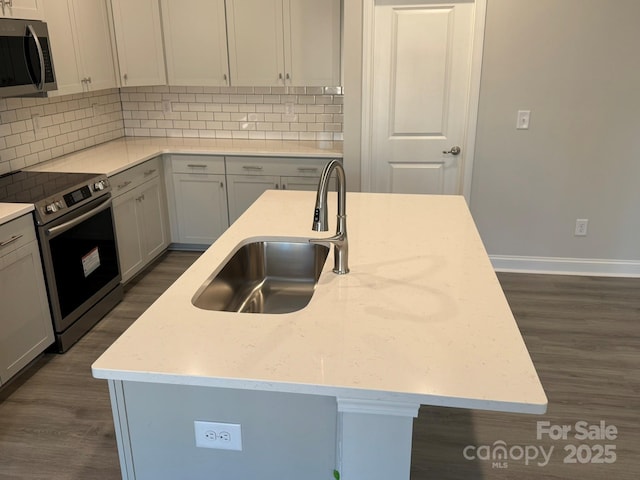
x: 339, y: 240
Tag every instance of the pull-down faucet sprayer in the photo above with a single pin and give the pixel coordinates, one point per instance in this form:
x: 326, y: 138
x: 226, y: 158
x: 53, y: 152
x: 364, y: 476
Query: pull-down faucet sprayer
x: 339, y: 240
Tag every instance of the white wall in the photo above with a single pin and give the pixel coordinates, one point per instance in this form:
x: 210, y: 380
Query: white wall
x: 575, y: 65
x: 352, y: 83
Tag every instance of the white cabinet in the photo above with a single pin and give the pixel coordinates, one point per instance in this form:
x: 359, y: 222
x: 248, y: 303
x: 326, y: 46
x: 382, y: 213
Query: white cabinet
x: 284, y: 42
x: 138, y: 34
x: 249, y: 177
x: 81, y: 44
x: 314, y: 48
x: 25, y: 322
x: 140, y: 215
x: 200, y: 199
x: 195, y: 37
x: 29, y: 9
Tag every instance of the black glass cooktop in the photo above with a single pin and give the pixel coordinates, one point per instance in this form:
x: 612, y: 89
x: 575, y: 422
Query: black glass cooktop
x: 33, y: 187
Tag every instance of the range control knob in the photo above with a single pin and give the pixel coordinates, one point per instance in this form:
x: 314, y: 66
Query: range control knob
x: 51, y: 208
x: 99, y: 186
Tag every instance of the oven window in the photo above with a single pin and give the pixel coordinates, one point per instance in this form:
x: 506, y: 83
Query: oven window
x: 84, y: 260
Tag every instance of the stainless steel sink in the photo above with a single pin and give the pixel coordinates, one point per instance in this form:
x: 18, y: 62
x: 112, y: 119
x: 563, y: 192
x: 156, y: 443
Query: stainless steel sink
x: 265, y: 277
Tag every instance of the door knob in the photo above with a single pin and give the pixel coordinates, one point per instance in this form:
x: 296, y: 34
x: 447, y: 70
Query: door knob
x: 454, y: 151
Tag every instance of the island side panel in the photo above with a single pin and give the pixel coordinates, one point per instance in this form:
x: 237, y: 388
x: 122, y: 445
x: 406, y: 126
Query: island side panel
x: 120, y: 423
x: 283, y: 435
x: 374, y: 439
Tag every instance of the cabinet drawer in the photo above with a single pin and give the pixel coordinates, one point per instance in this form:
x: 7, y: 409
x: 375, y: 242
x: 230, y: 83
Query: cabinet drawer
x: 135, y: 176
x: 302, y: 167
x: 16, y: 233
x: 199, y: 164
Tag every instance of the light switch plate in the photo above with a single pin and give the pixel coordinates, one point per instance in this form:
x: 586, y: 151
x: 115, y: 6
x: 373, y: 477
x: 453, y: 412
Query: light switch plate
x: 523, y: 119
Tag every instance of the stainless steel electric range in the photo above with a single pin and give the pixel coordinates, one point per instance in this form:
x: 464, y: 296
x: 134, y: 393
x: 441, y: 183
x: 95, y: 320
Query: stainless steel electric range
x: 76, y: 233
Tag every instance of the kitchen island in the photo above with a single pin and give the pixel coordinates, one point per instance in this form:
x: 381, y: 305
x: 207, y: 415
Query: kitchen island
x: 420, y: 320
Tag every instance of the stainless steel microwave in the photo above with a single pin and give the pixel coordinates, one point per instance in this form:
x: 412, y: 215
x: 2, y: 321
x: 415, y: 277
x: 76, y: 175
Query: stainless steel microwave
x: 26, y: 66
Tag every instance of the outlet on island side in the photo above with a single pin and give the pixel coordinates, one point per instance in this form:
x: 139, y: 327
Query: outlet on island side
x: 221, y: 436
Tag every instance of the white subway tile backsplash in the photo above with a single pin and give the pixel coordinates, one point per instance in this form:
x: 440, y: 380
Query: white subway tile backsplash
x: 69, y: 123
x: 65, y: 124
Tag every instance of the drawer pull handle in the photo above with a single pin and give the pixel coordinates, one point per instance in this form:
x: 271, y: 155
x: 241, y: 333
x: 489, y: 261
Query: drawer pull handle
x: 251, y: 167
x: 11, y: 240
x: 307, y: 169
x: 123, y: 185
x: 196, y: 165
x: 149, y: 172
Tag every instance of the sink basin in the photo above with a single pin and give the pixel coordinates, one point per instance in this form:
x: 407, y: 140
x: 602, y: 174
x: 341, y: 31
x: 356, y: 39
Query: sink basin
x: 269, y: 276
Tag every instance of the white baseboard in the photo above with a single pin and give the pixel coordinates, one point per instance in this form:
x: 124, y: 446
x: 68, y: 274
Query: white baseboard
x: 566, y: 266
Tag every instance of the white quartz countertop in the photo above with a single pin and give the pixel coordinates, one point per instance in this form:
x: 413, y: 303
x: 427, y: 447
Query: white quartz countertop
x: 11, y: 211
x: 118, y: 155
x: 421, y: 318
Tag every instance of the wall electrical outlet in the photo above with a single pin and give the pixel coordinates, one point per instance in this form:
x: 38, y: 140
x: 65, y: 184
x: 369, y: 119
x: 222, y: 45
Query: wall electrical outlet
x: 581, y: 227
x: 222, y: 436
x: 288, y: 108
x: 35, y: 118
x: 98, y: 109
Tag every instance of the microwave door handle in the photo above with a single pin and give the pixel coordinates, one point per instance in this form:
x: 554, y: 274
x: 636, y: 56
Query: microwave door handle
x: 40, y: 54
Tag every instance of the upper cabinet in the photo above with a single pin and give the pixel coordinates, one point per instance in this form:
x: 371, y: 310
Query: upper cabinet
x: 81, y: 45
x: 284, y: 42
x: 139, y: 42
x: 29, y: 9
x: 256, y: 42
x: 312, y: 49
x: 195, y: 36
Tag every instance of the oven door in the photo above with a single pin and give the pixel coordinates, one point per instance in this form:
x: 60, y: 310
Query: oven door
x: 80, y: 260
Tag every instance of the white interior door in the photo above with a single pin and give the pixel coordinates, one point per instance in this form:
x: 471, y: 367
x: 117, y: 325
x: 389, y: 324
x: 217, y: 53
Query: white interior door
x: 420, y: 95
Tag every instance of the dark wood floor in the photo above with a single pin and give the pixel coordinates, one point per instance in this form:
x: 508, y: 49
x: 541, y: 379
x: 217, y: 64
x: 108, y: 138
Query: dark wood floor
x: 583, y: 334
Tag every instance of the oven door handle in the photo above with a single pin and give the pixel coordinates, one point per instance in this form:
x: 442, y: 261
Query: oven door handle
x: 63, y: 227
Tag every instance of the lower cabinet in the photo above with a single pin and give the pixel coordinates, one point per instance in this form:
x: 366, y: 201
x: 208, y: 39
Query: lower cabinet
x: 25, y: 322
x: 204, y: 194
x: 249, y: 177
x: 140, y: 214
x: 200, y: 199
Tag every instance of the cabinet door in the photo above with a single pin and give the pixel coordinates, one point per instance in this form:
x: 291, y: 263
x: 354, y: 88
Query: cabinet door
x: 153, y: 227
x: 195, y: 36
x: 29, y: 9
x: 64, y: 47
x: 256, y: 42
x: 139, y: 42
x: 245, y: 189
x: 312, y: 42
x: 91, y: 23
x: 25, y: 324
x: 201, y: 207
x: 126, y: 216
